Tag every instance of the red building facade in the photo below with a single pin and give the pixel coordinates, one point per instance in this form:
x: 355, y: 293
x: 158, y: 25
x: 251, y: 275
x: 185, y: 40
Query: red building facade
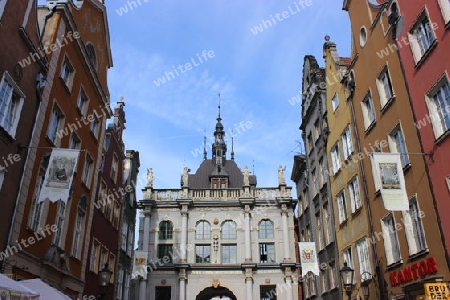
x: 423, y: 42
x: 104, y: 242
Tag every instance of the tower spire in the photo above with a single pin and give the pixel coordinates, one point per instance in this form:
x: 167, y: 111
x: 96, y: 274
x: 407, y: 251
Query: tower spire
x: 204, y: 146
x: 218, y: 118
x: 232, y: 147
x: 219, y: 148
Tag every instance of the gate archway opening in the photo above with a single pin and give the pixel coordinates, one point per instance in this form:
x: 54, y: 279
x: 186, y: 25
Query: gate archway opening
x: 212, y: 293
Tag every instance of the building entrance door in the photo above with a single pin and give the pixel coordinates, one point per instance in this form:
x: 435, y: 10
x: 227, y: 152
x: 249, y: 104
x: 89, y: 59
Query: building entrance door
x: 212, y: 293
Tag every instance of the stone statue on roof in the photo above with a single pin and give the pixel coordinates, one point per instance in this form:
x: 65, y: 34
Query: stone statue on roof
x: 150, y: 177
x: 281, y: 179
x: 186, y: 176
x: 246, y: 176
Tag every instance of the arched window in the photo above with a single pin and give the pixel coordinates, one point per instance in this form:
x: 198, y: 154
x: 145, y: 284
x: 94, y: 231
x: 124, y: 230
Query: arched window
x: 266, y: 229
x: 203, y: 230
x: 91, y: 55
x: 228, y: 230
x: 165, y: 230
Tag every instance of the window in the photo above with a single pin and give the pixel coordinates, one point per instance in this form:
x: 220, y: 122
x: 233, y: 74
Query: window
x: 114, y: 166
x: 108, y: 206
x: 229, y: 254
x: 316, y: 130
x: 447, y: 179
x: 320, y: 240
x: 202, y: 254
x: 310, y: 142
x: 342, y: 207
x: 77, y: 237
x: 163, y: 293
x: 123, y: 245
x: 324, y: 281
x: 2, y: 176
x: 203, y: 230
x: 268, y: 292
x: 116, y: 214
x: 59, y: 222
x: 55, y: 124
x: 335, y: 158
x: 91, y: 55
x: 348, y: 258
x: 315, y: 181
x: 112, y: 266
x: 355, y: 196
x: 415, y: 234
x: 87, y: 170
x: 36, y: 207
x: 322, y: 168
x: 103, y: 258
x: 363, y: 258
x: 438, y: 102
x: 421, y: 37
x: 368, y: 111
x: 266, y: 230
x: 397, y: 144
x: 120, y: 278
x: 74, y: 142
x: 11, y: 103
x: 127, y: 287
x: 391, y: 246
x: 165, y: 230
x: 266, y: 253
x: 130, y: 240
x: 82, y: 102
x: 332, y: 274
x: 347, y: 142
x: 67, y: 73
x: 335, y: 101
x: 95, y: 251
x: 328, y: 224
x: 95, y: 126
x: 362, y: 36
x: 229, y: 230
x: 101, y: 202
x: 384, y: 86
x: 308, y: 233
x: 445, y: 8
x: 165, y: 253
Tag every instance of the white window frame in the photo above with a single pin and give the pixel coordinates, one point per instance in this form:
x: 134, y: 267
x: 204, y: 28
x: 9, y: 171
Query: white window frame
x: 319, y: 226
x: 328, y: 224
x: 417, y: 43
x: 34, y: 221
x: 437, y: 113
x: 87, y: 170
x: 82, y: 101
x: 347, y: 142
x: 355, y: 194
x: 95, y: 126
x: 95, y: 255
x: 130, y: 240
x: 342, y: 207
x: 124, y: 241
x: 67, y: 75
x: 335, y: 158
x: 54, y: 128
x: 398, y: 144
x: 316, y: 130
x: 414, y: 230
x: 390, y: 239
x: 335, y: 102
x: 59, y: 222
x: 383, y: 90
x: 268, y: 249
x: 120, y: 281
x: 231, y: 260
x: 362, y: 249
x: 75, y: 142
x: 2, y: 176
x: 226, y: 234
x: 127, y: 286
x: 369, y: 115
x: 347, y: 257
x: 114, y: 168
x: 78, y: 233
x: 16, y: 111
x: 332, y: 274
x: 445, y: 9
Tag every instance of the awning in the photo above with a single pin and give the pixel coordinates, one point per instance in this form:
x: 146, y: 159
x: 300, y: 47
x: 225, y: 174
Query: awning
x: 13, y: 289
x: 45, y: 290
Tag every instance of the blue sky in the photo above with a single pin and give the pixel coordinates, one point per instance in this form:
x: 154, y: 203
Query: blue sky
x: 255, y: 74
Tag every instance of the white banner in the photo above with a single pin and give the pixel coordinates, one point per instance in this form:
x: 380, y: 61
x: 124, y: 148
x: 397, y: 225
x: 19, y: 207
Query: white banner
x: 58, y: 178
x: 308, y: 257
x: 140, y: 264
x: 388, y: 168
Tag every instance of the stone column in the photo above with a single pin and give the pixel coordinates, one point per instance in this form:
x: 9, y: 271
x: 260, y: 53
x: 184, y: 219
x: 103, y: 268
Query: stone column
x: 248, y: 283
x: 289, y: 293
x: 145, y: 241
x: 184, y: 230
x: 284, y: 214
x: 248, y: 250
x: 182, y: 284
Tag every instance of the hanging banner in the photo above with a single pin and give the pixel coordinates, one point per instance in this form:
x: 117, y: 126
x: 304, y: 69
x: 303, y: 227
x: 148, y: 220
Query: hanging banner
x: 308, y: 257
x: 140, y: 264
x: 388, y: 169
x: 58, y: 178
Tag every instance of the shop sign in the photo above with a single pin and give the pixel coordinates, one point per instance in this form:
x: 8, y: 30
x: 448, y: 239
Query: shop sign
x: 414, y: 271
x: 436, y: 291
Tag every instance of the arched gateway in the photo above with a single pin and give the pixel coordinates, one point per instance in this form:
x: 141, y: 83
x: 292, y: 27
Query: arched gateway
x: 216, y: 293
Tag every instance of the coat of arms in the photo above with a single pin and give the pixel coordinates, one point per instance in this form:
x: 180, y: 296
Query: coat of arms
x: 308, y: 255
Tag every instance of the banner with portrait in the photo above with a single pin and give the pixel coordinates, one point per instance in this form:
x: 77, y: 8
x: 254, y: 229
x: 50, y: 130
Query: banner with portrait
x: 59, y: 175
x: 387, y: 167
x: 308, y: 257
x: 140, y: 264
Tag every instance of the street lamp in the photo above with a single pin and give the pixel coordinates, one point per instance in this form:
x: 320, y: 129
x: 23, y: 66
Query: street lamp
x: 104, y: 278
x: 365, y: 289
x: 347, y: 275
